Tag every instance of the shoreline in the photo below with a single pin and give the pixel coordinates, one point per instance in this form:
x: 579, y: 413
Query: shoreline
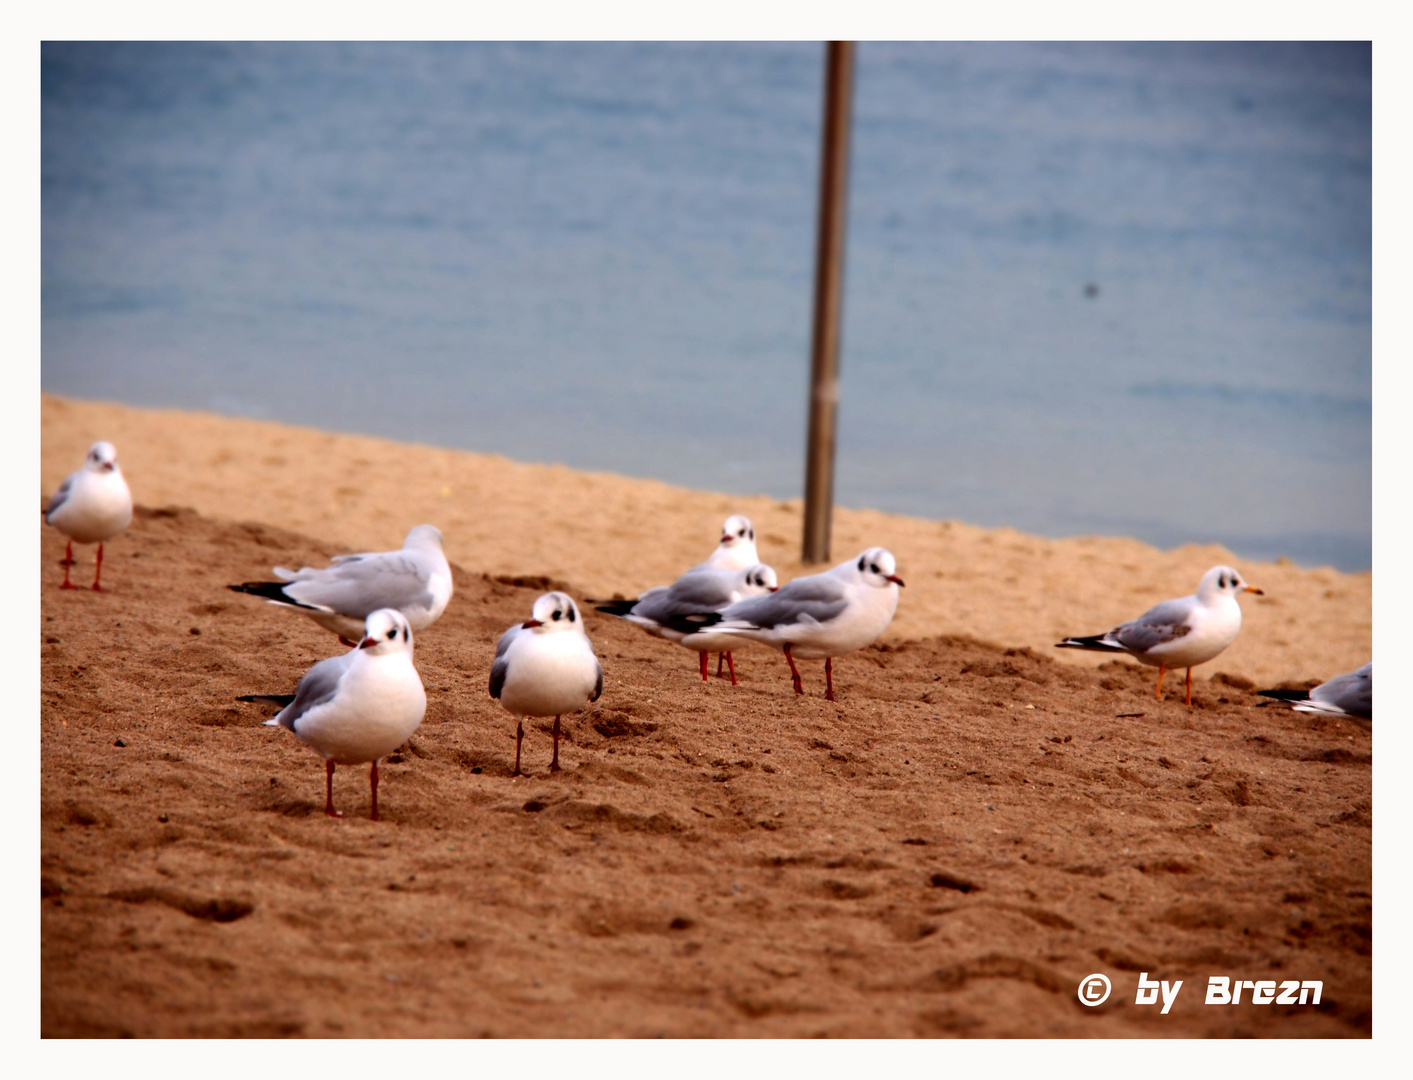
x: 606, y: 534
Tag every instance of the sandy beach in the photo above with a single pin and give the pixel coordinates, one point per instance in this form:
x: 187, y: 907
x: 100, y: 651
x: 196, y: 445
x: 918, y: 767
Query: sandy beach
x: 979, y: 822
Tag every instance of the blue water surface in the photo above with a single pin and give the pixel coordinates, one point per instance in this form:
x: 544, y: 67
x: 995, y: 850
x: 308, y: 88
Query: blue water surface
x: 1099, y: 288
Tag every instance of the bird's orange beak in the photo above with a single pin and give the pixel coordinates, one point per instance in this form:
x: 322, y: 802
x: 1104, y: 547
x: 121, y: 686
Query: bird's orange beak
x: 1252, y: 588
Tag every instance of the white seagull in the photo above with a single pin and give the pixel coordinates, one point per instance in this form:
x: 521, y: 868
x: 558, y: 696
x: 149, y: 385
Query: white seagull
x: 662, y: 611
x: 817, y: 617
x: 415, y: 581
x: 1350, y: 694
x: 1179, y: 633
x: 91, y: 506
x: 737, y: 549
x: 545, y: 666
x: 358, y: 706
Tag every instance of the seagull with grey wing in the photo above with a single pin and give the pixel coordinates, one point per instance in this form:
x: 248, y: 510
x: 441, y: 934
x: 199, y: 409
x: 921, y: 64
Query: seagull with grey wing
x: 661, y: 610
x: 359, y: 706
x: 817, y: 617
x: 1179, y: 633
x: 1350, y: 694
x: 415, y: 581
x: 91, y: 506
x: 545, y: 666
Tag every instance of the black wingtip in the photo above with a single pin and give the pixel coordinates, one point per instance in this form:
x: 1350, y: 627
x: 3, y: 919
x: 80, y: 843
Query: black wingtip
x: 1286, y: 695
x: 690, y: 624
x: 616, y: 607
x: 268, y: 699
x: 1094, y: 644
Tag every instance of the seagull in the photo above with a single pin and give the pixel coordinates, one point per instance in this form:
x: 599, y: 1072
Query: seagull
x: 1179, y: 633
x: 91, y: 506
x: 737, y: 549
x: 358, y: 706
x: 817, y: 617
x: 415, y: 581
x: 545, y: 666
x: 1350, y: 694
x: 694, y: 593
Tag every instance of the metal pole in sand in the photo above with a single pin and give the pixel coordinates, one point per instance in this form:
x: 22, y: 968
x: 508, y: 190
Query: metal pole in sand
x: 828, y: 300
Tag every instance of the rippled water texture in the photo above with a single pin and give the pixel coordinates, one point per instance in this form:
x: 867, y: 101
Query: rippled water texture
x: 1090, y: 288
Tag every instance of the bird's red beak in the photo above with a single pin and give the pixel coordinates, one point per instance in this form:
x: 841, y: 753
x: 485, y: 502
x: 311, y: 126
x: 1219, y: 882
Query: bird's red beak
x: 895, y: 579
x: 727, y: 539
x: 775, y: 588
x: 367, y: 643
x: 530, y: 624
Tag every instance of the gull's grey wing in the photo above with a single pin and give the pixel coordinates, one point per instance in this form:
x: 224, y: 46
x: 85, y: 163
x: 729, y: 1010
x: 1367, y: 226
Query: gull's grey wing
x: 61, y: 496
x: 810, y: 599
x: 598, y: 683
x: 502, y: 663
x: 1352, y: 693
x: 691, y: 594
x: 319, y: 685
x: 1156, y: 626
x: 357, y: 587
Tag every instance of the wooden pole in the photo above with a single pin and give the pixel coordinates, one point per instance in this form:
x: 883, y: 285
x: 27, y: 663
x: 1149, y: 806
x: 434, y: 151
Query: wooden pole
x: 828, y: 300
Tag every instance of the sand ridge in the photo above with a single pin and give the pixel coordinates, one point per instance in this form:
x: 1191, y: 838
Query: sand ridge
x: 614, y: 535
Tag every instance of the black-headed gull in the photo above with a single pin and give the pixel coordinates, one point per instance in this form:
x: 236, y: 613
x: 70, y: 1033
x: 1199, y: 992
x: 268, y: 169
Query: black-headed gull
x: 817, y: 617
x: 545, y: 666
x: 1179, y: 633
x: 91, y: 506
x: 415, y: 580
x: 737, y: 549
x: 661, y: 610
x: 1350, y: 694
x: 358, y: 706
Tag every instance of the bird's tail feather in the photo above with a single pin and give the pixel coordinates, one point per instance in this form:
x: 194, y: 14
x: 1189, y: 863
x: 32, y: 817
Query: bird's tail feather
x: 1095, y: 643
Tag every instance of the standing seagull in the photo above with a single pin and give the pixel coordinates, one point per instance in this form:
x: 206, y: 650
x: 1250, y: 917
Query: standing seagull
x: 91, y: 505
x: 415, y: 581
x: 737, y: 549
x: 1350, y: 694
x: 545, y: 666
x: 817, y: 617
x: 359, y: 706
x: 1179, y: 633
x: 696, y: 592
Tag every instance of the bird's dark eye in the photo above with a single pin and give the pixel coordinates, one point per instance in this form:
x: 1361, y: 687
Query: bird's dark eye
x: 874, y: 568
x: 753, y: 533
x: 392, y: 634
x: 571, y: 614
x: 861, y: 564
x: 406, y: 634
x: 557, y: 615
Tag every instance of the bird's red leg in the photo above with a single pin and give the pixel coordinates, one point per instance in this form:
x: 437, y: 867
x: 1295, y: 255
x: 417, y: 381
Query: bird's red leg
x: 829, y: 678
x: 68, y: 562
x: 719, y: 657
x: 1189, y: 688
x: 97, y: 587
x: 703, y: 656
x: 732, y: 665
x: 68, y: 559
x: 1158, y: 694
x: 794, y: 672
x: 373, y: 783
x: 519, y: 735
x: 554, y: 762
x: 329, y: 790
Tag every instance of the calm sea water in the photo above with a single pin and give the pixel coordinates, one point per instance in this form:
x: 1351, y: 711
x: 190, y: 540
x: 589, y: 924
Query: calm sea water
x: 603, y: 255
